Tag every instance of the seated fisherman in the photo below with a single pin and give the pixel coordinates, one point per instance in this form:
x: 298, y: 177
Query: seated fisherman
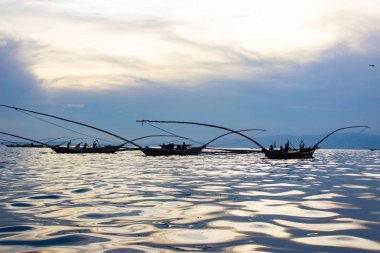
x: 78, y: 146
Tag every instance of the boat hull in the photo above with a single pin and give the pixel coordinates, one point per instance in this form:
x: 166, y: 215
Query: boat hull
x: 291, y: 154
x: 85, y: 150
x: 169, y: 152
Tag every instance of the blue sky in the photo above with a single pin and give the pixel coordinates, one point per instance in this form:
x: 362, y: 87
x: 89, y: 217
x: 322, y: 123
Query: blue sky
x: 291, y: 67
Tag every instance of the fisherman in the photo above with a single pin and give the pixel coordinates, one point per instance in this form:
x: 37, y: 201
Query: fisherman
x: 68, y: 144
x: 286, y: 146
x: 94, y: 143
x: 272, y: 146
x: 302, y: 146
x: 184, y: 146
x: 85, y: 145
x: 281, y: 148
x: 78, y: 146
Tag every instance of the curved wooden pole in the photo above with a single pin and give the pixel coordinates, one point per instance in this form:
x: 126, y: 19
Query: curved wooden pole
x: 202, y: 124
x: 26, y: 139
x: 156, y: 135
x: 220, y: 136
x: 75, y: 122
x: 324, y: 138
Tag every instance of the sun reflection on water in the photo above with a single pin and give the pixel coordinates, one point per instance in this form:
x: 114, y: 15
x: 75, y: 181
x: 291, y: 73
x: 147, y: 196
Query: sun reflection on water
x: 126, y: 202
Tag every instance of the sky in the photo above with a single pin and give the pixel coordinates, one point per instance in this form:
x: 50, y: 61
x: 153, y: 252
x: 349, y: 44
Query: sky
x: 290, y: 67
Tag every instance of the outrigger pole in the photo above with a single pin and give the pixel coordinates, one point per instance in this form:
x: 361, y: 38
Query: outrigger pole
x: 202, y: 124
x: 44, y: 144
x: 154, y: 135
x: 324, y: 138
x: 244, y: 130
x: 75, y: 122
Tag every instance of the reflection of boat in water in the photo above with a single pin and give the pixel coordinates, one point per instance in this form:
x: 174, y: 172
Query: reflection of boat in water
x: 105, y: 149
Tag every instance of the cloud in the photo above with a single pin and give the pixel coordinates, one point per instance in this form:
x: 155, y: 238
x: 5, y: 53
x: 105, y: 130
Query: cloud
x: 17, y: 84
x: 130, y: 44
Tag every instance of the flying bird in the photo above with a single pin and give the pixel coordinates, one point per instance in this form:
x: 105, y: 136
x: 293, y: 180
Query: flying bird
x: 372, y: 65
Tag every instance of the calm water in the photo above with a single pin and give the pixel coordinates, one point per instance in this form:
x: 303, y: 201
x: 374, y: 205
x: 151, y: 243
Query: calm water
x: 126, y: 202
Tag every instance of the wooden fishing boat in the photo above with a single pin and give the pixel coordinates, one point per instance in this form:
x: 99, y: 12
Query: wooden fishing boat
x: 70, y: 150
x: 306, y: 153
x: 88, y: 150
x: 302, y: 153
x: 105, y: 149
x: 40, y: 144
x: 163, y: 151
x: 184, y: 149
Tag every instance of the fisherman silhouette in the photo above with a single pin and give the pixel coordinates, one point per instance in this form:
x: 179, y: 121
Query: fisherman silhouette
x: 272, y: 146
x: 94, y: 143
x: 302, y: 146
x: 78, y: 146
x: 68, y: 144
x: 85, y: 145
x: 286, y: 146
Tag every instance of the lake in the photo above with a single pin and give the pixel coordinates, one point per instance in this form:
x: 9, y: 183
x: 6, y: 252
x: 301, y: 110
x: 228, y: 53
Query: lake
x: 126, y: 202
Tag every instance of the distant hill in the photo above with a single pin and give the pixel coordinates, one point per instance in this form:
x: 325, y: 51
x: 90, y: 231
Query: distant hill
x: 336, y: 141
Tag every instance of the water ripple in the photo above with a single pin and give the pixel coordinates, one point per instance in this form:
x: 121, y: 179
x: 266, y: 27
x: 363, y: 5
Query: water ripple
x: 126, y: 202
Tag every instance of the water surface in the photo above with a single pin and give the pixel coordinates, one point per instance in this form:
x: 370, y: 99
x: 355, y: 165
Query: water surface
x: 126, y: 202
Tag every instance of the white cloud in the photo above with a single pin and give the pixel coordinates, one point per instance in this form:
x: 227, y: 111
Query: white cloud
x: 98, y: 45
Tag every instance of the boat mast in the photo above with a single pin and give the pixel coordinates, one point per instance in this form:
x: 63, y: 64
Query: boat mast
x: 324, y: 138
x: 202, y: 124
x: 75, y: 122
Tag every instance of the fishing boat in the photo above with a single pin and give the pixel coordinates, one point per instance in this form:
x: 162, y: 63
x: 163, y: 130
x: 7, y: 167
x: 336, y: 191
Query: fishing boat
x: 87, y: 150
x: 26, y: 145
x: 166, y: 150
x: 13, y: 144
x: 185, y: 149
x: 301, y: 153
x: 99, y: 149
x: 306, y: 153
x: 40, y: 144
x: 81, y: 150
x: 71, y: 150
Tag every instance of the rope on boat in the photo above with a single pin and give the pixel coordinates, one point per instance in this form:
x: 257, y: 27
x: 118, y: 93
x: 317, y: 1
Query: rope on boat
x: 214, y: 139
x: 172, y: 134
x: 66, y: 128
x: 25, y: 139
x: 202, y: 124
